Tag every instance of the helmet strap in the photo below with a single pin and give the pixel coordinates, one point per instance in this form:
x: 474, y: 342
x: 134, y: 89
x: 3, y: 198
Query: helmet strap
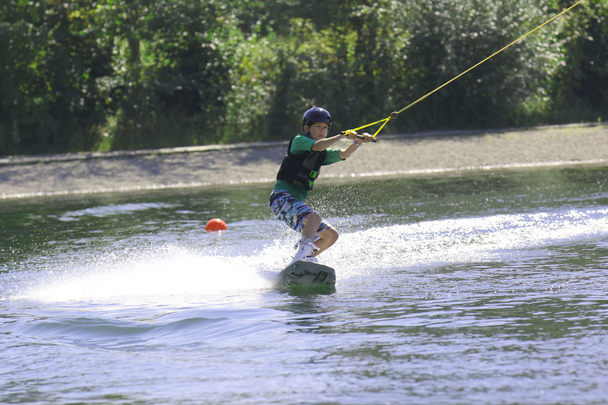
x: 306, y: 133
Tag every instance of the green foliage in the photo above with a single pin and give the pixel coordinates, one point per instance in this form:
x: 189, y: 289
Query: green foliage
x: 170, y: 71
x: 49, y: 93
x: 347, y: 63
x: 126, y: 74
x: 581, y: 82
x: 450, y: 37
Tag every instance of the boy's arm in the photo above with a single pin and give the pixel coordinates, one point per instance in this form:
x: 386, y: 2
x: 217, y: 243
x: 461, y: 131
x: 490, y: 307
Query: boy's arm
x: 325, y: 143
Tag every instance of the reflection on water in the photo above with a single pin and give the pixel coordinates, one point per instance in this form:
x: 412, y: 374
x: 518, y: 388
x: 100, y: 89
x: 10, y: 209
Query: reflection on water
x: 488, y: 287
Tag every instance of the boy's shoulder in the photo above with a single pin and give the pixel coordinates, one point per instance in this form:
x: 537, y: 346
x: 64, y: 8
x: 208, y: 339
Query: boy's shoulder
x: 302, y: 143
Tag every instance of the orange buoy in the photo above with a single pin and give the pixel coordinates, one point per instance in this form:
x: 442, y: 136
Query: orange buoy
x: 216, y: 225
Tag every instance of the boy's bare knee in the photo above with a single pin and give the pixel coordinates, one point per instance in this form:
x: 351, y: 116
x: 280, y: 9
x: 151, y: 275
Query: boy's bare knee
x: 331, y: 234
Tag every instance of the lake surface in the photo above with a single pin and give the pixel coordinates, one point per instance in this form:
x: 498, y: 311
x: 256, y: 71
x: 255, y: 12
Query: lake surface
x: 472, y: 288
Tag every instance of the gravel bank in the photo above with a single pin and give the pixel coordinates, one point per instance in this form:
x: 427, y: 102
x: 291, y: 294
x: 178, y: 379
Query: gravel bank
x: 27, y: 176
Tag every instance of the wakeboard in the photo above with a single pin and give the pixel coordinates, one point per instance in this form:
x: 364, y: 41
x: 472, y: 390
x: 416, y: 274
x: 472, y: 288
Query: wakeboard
x: 303, y: 273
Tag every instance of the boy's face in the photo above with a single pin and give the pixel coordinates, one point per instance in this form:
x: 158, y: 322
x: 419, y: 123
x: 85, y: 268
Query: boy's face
x: 318, y: 130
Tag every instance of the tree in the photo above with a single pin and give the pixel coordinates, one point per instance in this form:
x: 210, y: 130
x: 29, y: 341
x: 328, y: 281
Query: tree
x: 581, y: 82
x: 49, y: 79
x: 170, y: 70
x: 450, y: 37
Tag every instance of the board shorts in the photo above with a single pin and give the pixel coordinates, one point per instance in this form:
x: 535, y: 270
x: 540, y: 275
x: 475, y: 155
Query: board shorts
x: 291, y: 210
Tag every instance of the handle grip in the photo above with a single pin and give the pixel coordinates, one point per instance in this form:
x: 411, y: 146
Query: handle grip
x: 358, y: 136
x: 362, y: 137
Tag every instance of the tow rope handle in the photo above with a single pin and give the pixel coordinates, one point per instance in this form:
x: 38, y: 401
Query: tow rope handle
x: 393, y: 116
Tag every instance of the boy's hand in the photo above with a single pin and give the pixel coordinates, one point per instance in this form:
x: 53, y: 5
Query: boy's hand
x: 364, y: 138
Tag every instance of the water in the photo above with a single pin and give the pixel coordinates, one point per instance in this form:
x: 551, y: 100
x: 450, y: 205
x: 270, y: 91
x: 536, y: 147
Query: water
x: 479, y: 288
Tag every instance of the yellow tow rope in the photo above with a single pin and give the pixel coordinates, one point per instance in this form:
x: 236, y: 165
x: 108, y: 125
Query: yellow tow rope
x: 395, y: 114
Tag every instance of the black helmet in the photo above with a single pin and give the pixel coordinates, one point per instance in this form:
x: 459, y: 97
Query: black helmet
x: 316, y: 114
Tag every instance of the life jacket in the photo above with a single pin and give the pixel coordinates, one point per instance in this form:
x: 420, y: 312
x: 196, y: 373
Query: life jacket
x: 301, y: 169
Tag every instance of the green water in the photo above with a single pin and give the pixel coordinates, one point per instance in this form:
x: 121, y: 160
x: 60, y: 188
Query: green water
x: 480, y: 287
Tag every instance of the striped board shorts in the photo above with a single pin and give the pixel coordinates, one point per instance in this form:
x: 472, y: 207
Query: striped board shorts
x: 291, y: 210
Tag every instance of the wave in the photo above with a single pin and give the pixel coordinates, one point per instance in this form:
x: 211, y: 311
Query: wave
x: 251, y: 262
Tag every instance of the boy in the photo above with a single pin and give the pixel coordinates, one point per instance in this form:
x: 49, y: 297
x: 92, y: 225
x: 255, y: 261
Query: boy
x: 306, y: 154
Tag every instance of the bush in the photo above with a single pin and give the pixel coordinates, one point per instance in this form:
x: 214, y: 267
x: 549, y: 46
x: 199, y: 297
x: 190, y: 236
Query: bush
x: 128, y: 74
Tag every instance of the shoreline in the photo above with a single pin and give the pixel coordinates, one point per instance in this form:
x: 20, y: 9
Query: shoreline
x: 66, y: 157
x: 394, y: 155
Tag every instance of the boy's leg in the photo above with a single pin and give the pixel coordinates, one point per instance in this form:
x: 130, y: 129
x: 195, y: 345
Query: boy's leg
x: 303, y: 219
x: 311, y: 224
x: 327, y: 236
